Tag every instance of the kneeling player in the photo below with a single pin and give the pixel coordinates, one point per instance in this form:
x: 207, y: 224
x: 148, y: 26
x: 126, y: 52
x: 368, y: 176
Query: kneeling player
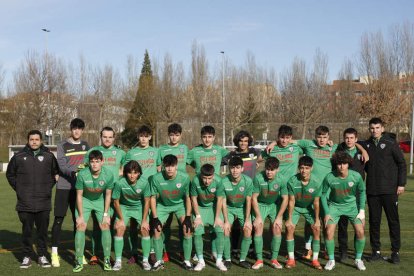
x: 170, y: 195
x: 91, y: 185
x: 338, y: 199
x: 131, y: 197
x: 269, y: 200
x: 206, y: 195
x: 304, y: 194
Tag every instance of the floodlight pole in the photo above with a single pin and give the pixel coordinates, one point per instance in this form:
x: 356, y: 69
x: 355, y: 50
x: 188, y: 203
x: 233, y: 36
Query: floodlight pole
x: 49, y: 131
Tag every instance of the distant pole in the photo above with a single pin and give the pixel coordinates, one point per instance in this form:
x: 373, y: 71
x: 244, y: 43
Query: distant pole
x: 49, y: 131
x: 224, y: 101
x: 412, y: 141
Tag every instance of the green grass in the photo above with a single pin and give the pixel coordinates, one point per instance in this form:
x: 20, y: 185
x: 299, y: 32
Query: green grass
x: 10, y: 246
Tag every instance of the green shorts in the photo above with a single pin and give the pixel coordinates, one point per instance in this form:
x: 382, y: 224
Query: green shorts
x: 349, y: 211
x: 129, y: 212
x: 307, y: 213
x: 267, y: 211
x: 98, y: 206
x: 208, y: 214
x: 234, y: 213
x: 164, y: 212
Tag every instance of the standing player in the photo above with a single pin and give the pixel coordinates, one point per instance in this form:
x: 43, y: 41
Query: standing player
x: 131, y: 197
x: 269, y: 200
x: 304, y: 194
x: 207, y: 198
x: 170, y: 195
x: 350, y: 136
x: 70, y: 154
x: 237, y: 205
x: 339, y: 191
x: 113, y: 160
x: 93, y: 193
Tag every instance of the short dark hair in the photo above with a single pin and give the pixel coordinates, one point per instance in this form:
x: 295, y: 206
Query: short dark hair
x: 240, y: 135
x: 208, y: 130
x: 207, y: 170
x: 77, y: 123
x: 169, y: 160
x: 351, y: 130
x: 305, y: 161
x: 376, y: 121
x: 107, y: 128
x: 175, y: 128
x: 95, y: 154
x: 235, y: 161
x: 285, y: 130
x: 272, y: 163
x: 132, y: 166
x: 144, y: 130
x: 321, y: 130
x: 34, y: 132
x: 341, y: 157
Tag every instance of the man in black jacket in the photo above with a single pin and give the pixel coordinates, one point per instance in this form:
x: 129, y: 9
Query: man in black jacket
x: 32, y: 173
x: 386, y: 179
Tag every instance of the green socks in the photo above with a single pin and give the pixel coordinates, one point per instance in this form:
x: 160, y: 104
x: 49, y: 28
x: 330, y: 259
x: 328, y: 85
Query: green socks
x: 118, y: 247
x: 258, y: 247
x: 158, y: 247
x: 219, y: 242
x: 79, y: 244
x: 198, y: 243
x: 146, y: 246
x: 330, y: 247
x: 359, y: 248
x: 291, y: 248
x: 245, y: 245
x: 276, y: 241
x: 227, y: 248
x: 316, y: 247
x: 106, y: 243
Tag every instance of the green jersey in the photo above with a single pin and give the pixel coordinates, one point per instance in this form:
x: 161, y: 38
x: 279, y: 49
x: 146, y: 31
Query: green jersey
x: 206, y: 196
x: 236, y: 194
x: 270, y: 191
x: 180, y: 151
x: 304, y: 194
x: 147, y: 158
x: 113, y: 156
x: 342, y: 192
x: 288, y: 158
x: 131, y: 195
x: 94, y: 188
x: 199, y: 156
x: 170, y: 192
x: 321, y: 157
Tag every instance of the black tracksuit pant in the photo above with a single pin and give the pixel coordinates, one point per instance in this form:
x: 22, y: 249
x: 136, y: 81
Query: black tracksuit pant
x: 390, y: 205
x: 28, y: 220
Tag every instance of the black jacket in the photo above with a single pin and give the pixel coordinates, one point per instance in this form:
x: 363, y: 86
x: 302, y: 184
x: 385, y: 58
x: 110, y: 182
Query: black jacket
x: 33, y: 177
x: 386, y: 168
x: 357, y: 164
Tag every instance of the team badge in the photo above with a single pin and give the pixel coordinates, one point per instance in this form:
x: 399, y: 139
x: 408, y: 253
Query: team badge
x: 350, y: 184
x: 138, y: 191
x: 359, y: 156
x: 275, y: 186
x: 251, y: 155
x: 40, y: 158
x: 24, y: 158
x: 151, y: 153
x: 311, y: 190
x: 241, y: 189
x: 182, y: 150
x: 213, y: 190
x: 214, y: 151
x: 178, y: 185
x: 83, y: 147
x: 291, y: 149
x: 101, y: 182
x: 114, y: 152
x: 368, y: 146
x: 382, y: 146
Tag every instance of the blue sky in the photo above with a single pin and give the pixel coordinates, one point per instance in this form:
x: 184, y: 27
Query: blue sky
x: 274, y: 31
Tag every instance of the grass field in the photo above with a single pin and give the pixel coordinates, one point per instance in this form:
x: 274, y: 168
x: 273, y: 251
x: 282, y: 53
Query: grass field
x: 10, y: 247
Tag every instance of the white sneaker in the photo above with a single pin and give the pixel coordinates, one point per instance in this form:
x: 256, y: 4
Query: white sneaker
x: 84, y: 261
x: 158, y: 266
x: 43, y: 262
x: 200, y: 266
x: 330, y: 265
x: 117, y: 266
x: 195, y: 258
x: 360, y: 265
x: 146, y: 266
x: 220, y: 265
x: 26, y: 263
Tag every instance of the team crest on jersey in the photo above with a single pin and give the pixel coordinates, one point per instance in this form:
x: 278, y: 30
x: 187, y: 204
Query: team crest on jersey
x: 181, y: 150
x: 24, y: 158
x: 251, y: 155
x: 275, y: 186
x: 241, y: 189
x: 40, y: 158
x: 138, y: 191
x: 114, y: 152
x: 368, y: 146
x: 359, y: 156
x: 178, y: 185
x: 83, y: 147
x: 151, y: 153
x: 101, y: 182
x: 382, y: 146
x: 311, y: 190
x: 350, y: 184
x: 214, y: 151
x: 291, y: 149
x: 213, y: 190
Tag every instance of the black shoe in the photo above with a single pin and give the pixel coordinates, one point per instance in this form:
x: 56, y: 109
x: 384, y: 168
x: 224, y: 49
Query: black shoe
x: 187, y: 265
x: 343, y: 256
x: 152, y: 259
x: 245, y: 264
x: 227, y: 264
x: 26, y: 263
x: 375, y: 256
x: 395, y: 257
